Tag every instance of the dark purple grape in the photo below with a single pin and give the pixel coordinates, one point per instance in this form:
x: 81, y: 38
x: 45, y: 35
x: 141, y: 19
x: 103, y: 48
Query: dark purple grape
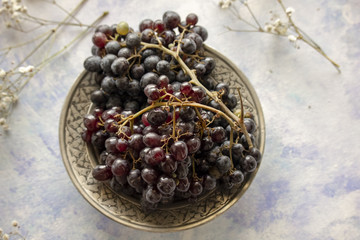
x: 169, y: 165
x: 124, y: 52
x: 168, y: 36
x: 147, y: 35
x: 201, y: 31
x: 122, y: 145
x: 136, y: 142
x: 102, y: 173
x: 207, y: 143
x: 146, y: 24
x: 223, y: 87
x: 99, y: 39
x: 112, y: 47
x: 196, y: 38
x: 200, y: 69
x: 256, y: 154
x: 98, y: 139
x: 158, y: 26
x: 122, y: 83
x: 250, y: 125
x: 186, y: 127
x: 182, y: 170
x: 151, y: 62
x: 134, y: 179
x: 149, y: 78
x: 209, y: 182
x: 223, y: 163
x: 111, y: 125
x: 182, y: 77
x: 124, y: 132
x: 134, y: 88
x: 132, y: 106
x: 163, y: 67
x: 92, y: 64
x: 152, y: 195
x: 191, y: 19
x: 183, y: 185
x: 187, y: 114
x: 244, y: 142
x: 120, y: 167
x: 149, y: 175
x: 132, y: 40
x: 108, y: 85
x: 248, y: 164
x: 164, y: 83
x: 230, y: 101
x: 155, y: 156
x: 218, y: 134
x: 137, y: 71
x: 193, y: 145
x: 171, y: 19
x: 237, y: 177
x: 152, y: 140
x: 157, y: 116
x: 188, y: 46
x: 213, y: 155
x: 196, y: 188
x: 198, y: 94
x: 106, y: 29
x: 179, y: 150
x: 110, y: 159
x: 90, y: 122
x: 166, y: 185
x: 120, y: 66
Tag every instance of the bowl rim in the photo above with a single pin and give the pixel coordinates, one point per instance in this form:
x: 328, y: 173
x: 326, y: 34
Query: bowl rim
x: 93, y: 203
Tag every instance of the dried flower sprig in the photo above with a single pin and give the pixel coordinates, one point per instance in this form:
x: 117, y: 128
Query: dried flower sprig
x: 14, y: 233
x: 277, y: 26
x: 13, y: 80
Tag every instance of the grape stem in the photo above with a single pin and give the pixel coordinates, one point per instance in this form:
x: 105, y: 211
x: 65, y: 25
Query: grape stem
x: 228, y: 114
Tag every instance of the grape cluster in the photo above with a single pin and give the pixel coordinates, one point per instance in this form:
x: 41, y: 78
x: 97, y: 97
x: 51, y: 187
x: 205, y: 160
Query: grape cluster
x: 160, y: 135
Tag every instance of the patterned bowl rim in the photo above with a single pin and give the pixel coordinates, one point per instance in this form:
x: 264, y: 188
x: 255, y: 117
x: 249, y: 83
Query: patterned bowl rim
x: 80, y: 188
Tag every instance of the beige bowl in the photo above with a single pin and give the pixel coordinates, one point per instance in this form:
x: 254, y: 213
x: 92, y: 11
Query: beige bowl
x: 79, y: 159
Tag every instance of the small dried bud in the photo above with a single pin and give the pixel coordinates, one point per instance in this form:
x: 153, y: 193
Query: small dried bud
x: 292, y: 38
x: 14, y: 223
x: 6, y: 236
x: 289, y: 11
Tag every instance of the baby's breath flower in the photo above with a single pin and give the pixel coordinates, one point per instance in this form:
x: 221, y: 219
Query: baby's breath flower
x: 2, y: 73
x: 268, y: 27
x: 292, y: 38
x: 6, y: 236
x: 27, y: 69
x: 2, y: 121
x: 15, y: 223
x: 289, y: 11
x: 225, y: 3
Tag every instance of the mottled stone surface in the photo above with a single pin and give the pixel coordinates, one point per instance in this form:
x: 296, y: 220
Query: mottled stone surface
x: 308, y: 186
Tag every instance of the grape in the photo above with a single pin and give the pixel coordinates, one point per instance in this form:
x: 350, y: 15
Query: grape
x: 134, y: 179
x: 169, y: 165
x: 136, y: 142
x: 106, y: 29
x: 149, y: 175
x: 218, y: 134
x: 155, y: 156
x: 163, y: 67
x: 163, y: 82
x: 171, y: 19
x: 92, y: 64
x: 151, y: 62
x: 197, y: 39
x: 134, y: 88
x: 110, y: 144
x: 191, y: 19
x: 209, y: 182
x: 158, y: 26
x: 102, y: 173
x: 184, y: 185
x: 224, y: 88
x: 98, y: 139
x: 168, y: 36
x: 111, y: 125
x: 152, y: 195
x: 133, y: 40
x: 137, y: 71
x: 120, y: 167
x: 120, y: 66
x: 132, y: 106
x: 223, y: 163
x: 149, y: 78
x: 112, y: 47
x: 99, y: 39
x: 207, y: 143
x: 201, y: 31
x: 248, y: 164
x: 166, y: 185
x: 195, y: 188
x: 121, y: 145
x: 179, y: 150
x: 188, y: 46
x: 147, y: 35
x: 157, y: 116
x: 145, y: 24
x: 124, y: 52
x: 250, y: 125
x: 122, y: 28
x: 152, y: 139
x: 182, y: 77
x: 193, y: 145
x: 237, y: 177
x: 90, y: 122
x: 86, y: 136
x: 187, y: 114
x: 254, y: 152
x: 200, y: 69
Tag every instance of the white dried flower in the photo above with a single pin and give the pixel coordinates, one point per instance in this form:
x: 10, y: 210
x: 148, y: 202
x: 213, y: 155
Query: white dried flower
x: 2, y: 73
x: 27, y: 69
x: 7, y: 99
x: 225, y: 3
x: 289, y: 11
x: 268, y: 27
x: 6, y: 236
x: 277, y: 22
x: 2, y: 121
x: 14, y: 223
x: 292, y: 38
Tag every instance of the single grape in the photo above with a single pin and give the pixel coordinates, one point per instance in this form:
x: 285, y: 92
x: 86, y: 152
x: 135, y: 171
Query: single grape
x: 250, y: 125
x: 112, y: 47
x: 223, y: 163
x: 122, y: 145
x: 191, y: 19
x: 149, y: 175
x: 207, y: 143
x: 120, y: 167
x: 151, y: 62
x: 183, y: 185
x: 179, y: 150
x: 149, y: 78
x: 106, y: 29
x: 193, y: 144
x: 122, y: 28
x: 90, y: 122
x: 166, y: 185
x: 196, y: 188
x: 152, y: 195
x: 188, y: 46
x: 99, y: 39
x: 187, y: 114
x: 111, y: 125
x: 98, y: 139
x: 254, y: 152
x: 120, y: 66
x: 146, y: 24
x: 124, y: 52
x: 248, y: 164
x: 163, y: 67
x: 136, y: 142
x: 134, y: 88
x: 155, y: 156
x: 137, y: 71
x: 158, y: 26
x: 157, y: 116
x: 152, y: 140
x: 133, y: 40
x: 92, y: 64
x: 134, y: 179
x: 218, y: 134
x: 201, y: 31
x: 237, y: 177
x: 169, y: 165
x: 171, y: 19
x: 182, y: 170
x: 209, y: 182
x: 102, y: 173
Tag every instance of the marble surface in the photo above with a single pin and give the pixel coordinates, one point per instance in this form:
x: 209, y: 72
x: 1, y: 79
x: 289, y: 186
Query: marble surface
x: 308, y: 186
